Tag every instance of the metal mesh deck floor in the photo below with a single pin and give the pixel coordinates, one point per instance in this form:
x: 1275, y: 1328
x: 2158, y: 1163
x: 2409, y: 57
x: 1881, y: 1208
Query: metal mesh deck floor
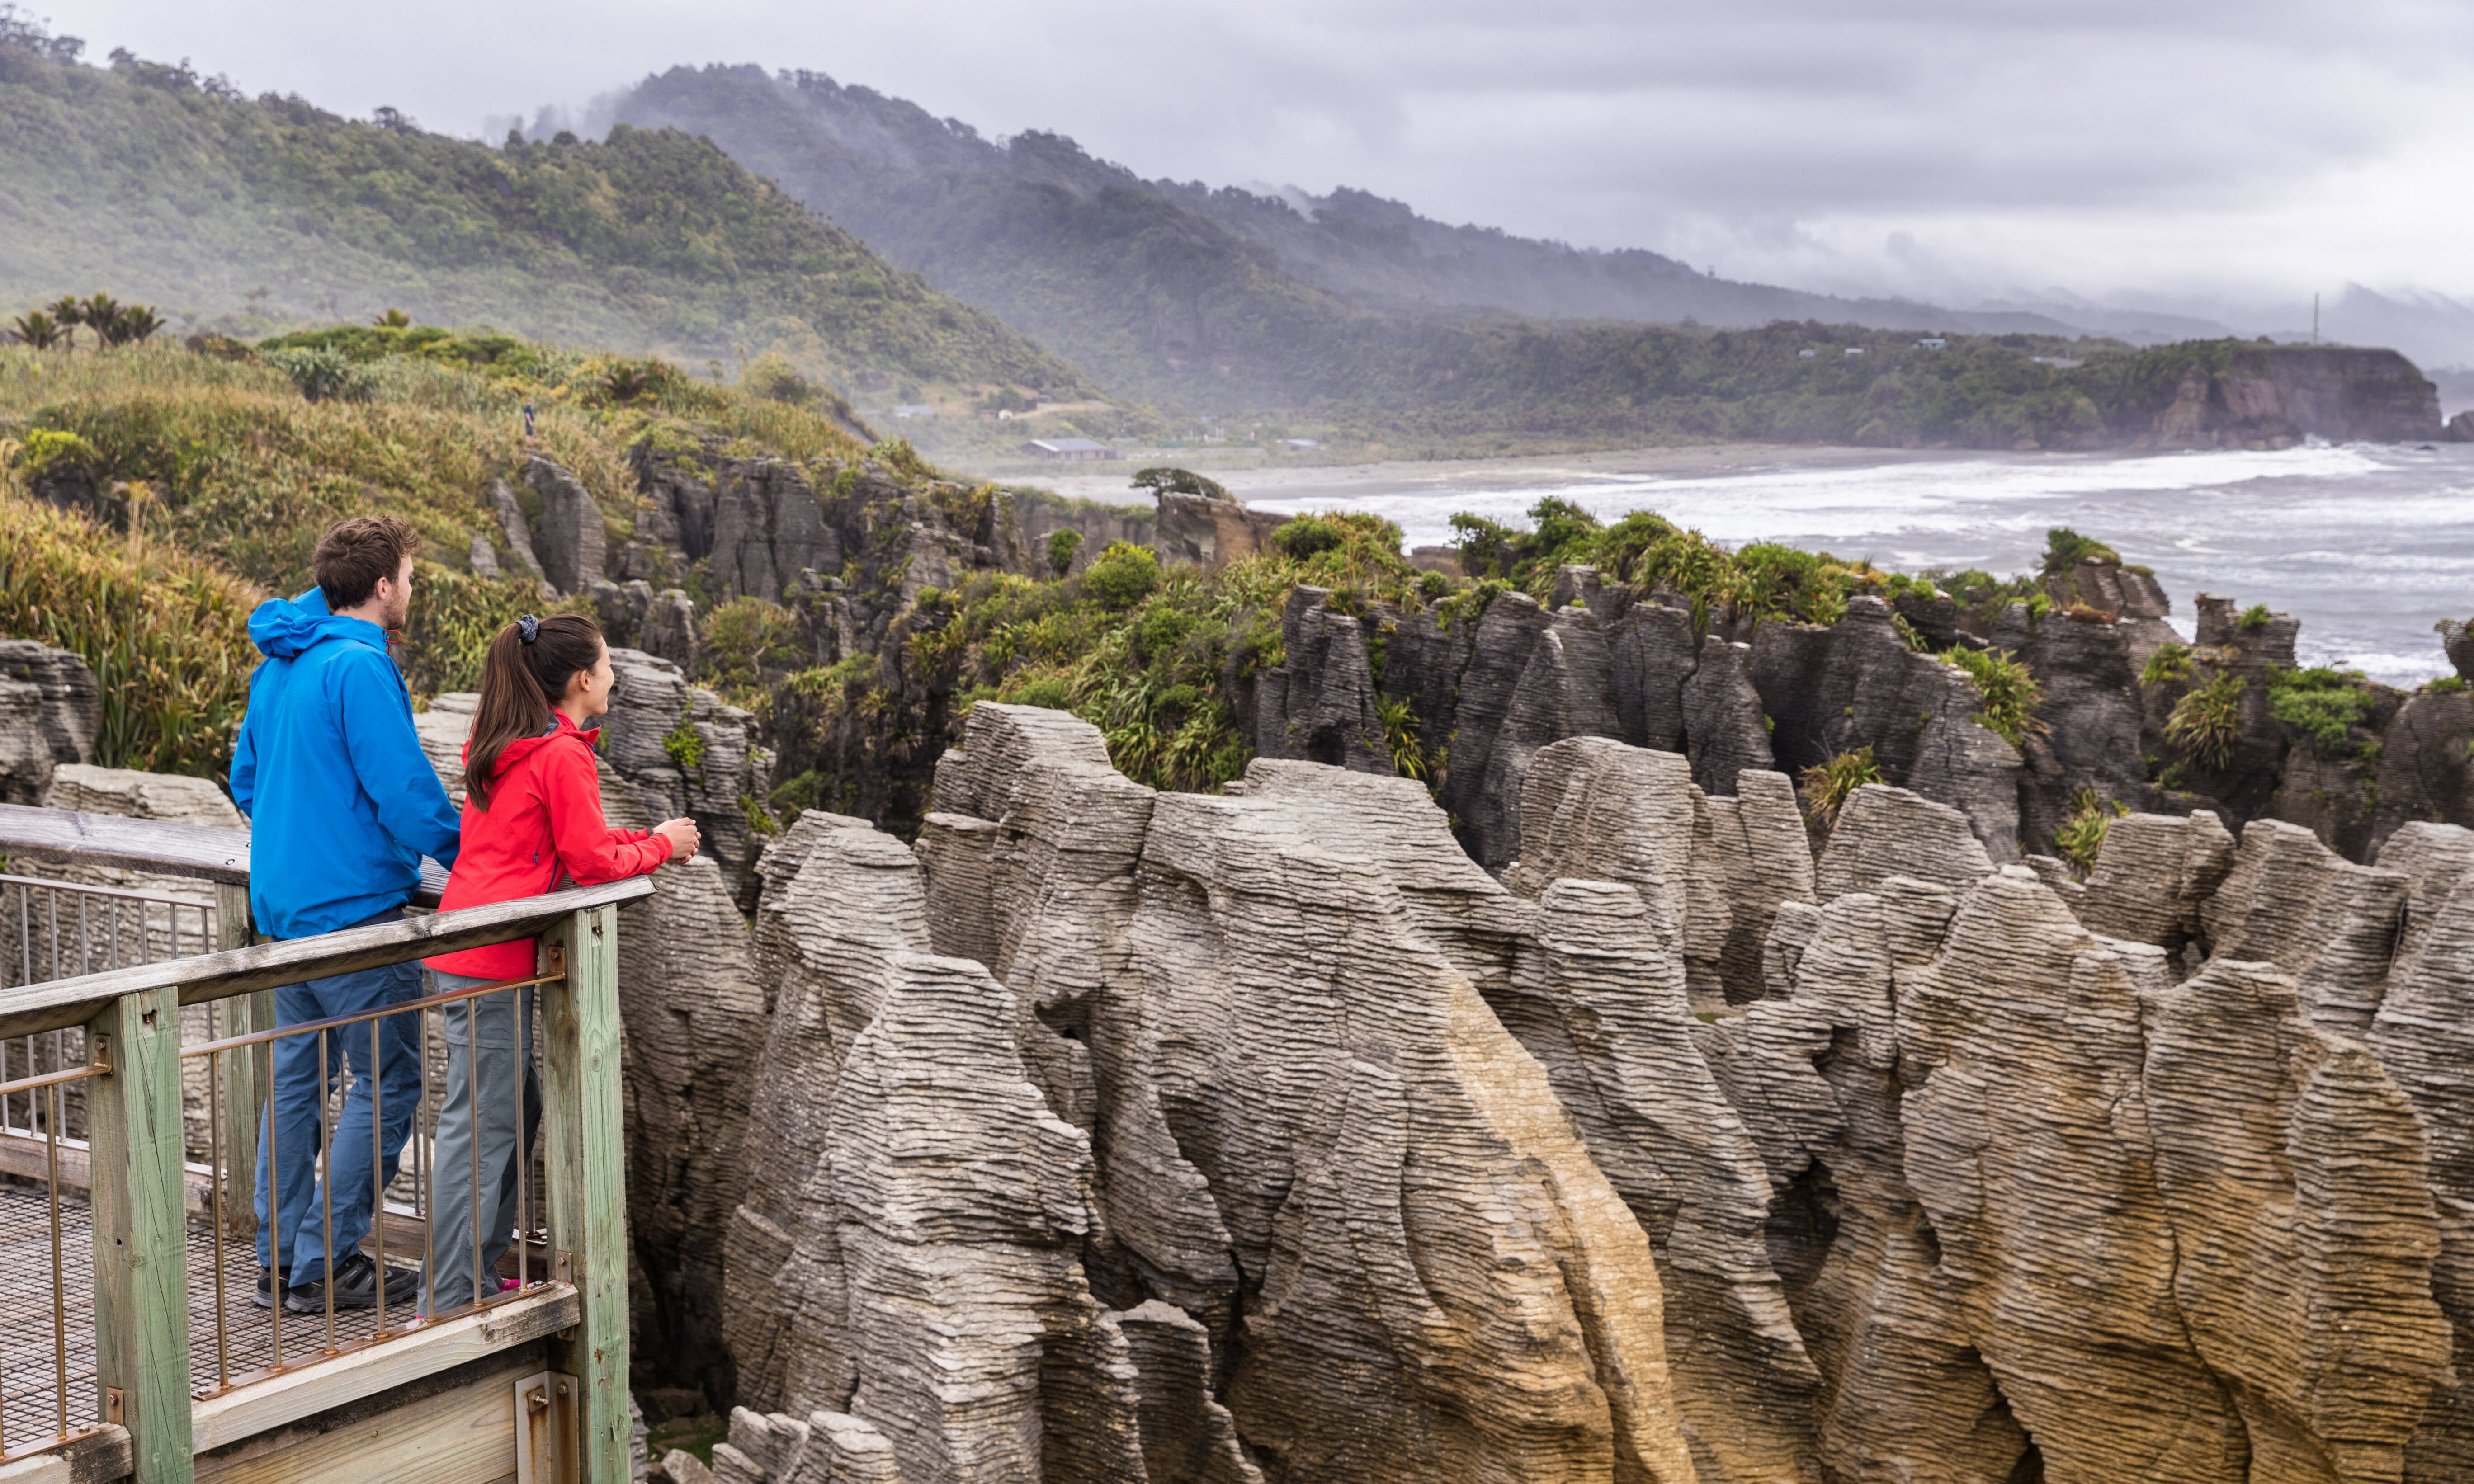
x: 29, y: 1405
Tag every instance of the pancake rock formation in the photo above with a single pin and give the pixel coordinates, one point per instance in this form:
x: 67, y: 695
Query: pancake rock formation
x: 1115, y: 1135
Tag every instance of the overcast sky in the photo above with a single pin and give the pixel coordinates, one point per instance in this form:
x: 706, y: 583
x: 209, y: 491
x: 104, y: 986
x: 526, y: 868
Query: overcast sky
x: 2253, y: 151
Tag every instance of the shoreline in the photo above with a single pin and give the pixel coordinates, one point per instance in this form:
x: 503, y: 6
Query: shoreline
x: 1445, y: 476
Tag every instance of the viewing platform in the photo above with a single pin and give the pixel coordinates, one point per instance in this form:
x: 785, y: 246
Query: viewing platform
x: 137, y: 1031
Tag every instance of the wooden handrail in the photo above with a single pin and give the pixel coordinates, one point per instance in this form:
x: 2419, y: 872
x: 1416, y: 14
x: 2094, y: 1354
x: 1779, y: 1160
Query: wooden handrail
x: 63, y: 1003
x: 199, y: 851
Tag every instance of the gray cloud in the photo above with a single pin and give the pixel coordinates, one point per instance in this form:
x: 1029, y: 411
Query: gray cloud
x: 1942, y: 146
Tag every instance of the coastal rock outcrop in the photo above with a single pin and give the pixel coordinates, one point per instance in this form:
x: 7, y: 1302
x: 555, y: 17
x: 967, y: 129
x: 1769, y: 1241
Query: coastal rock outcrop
x: 569, y: 541
x: 51, y: 712
x: 1338, y: 1165
x: 686, y: 751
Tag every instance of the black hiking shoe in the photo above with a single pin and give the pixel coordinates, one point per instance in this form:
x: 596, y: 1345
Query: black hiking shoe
x: 356, y: 1287
x: 267, y: 1281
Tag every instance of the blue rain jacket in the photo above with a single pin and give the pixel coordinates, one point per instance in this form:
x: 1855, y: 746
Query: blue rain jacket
x: 342, y: 802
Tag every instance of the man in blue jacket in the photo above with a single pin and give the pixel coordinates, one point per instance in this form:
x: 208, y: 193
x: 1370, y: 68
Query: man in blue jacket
x: 342, y: 804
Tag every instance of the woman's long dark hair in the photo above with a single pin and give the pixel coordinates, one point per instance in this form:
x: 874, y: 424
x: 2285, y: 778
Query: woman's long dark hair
x: 522, y: 680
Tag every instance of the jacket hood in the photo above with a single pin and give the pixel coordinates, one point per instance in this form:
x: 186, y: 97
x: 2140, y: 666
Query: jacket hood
x: 524, y: 747
x: 286, y: 627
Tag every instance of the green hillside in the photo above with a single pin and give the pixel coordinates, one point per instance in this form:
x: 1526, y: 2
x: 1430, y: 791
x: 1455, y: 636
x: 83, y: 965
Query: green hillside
x: 256, y: 215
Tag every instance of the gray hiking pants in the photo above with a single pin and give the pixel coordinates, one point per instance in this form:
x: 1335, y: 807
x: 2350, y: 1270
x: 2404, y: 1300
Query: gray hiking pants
x: 483, y: 1034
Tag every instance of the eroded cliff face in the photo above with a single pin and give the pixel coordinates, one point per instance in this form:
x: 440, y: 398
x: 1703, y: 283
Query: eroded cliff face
x: 2273, y: 397
x: 1131, y: 1135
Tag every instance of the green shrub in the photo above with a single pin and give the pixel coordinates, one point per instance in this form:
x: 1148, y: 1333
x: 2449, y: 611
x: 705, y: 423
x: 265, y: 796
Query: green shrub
x: 1307, y: 535
x: 2081, y: 837
x: 1828, y: 785
x: 1400, y: 734
x: 1061, y: 548
x: 322, y: 375
x: 686, y: 747
x: 2170, y: 662
x: 2065, y: 549
x: 748, y: 644
x: 2254, y: 618
x: 2445, y: 686
x: 2207, y: 721
x: 2321, y: 705
x: 2008, y: 692
x: 49, y: 451
x: 1123, y: 575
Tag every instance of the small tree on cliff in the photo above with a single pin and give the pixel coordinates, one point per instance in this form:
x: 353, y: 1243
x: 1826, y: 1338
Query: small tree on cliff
x: 1164, y: 480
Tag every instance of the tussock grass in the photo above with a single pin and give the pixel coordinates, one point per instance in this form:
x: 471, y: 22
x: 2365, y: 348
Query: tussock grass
x: 167, y: 634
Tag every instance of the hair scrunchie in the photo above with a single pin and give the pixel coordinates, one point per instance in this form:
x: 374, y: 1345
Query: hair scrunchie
x: 530, y: 627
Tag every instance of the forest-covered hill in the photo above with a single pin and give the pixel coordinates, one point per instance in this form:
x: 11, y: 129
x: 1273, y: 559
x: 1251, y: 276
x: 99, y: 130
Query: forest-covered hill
x: 260, y: 214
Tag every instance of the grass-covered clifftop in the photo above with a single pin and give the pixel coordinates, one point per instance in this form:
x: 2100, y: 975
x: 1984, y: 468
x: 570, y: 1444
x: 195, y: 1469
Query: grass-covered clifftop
x: 261, y: 213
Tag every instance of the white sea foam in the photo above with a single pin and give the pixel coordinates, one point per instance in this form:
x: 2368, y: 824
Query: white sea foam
x: 2366, y: 544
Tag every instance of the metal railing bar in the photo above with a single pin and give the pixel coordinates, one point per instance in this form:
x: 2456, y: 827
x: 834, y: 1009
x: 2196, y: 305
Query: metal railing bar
x: 472, y: 1119
x: 270, y: 965
x: 95, y: 1068
x: 401, y: 1007
x: 82, y: 889
x: 215, y: 1162
x: 326, y: 1182
x: 378, y: 1173
x: 60, y: 1293
x: 275, y: 1263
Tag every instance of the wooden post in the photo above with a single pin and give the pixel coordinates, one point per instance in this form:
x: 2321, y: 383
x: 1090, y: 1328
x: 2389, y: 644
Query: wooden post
x: 244, y: 1088
x: 583, y: 1157
x: 142, y: 1290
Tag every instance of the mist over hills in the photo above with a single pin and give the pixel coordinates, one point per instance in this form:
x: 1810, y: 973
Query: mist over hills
x: 1033, y: 226
x: 252, y: 215
x: 1010, y: 222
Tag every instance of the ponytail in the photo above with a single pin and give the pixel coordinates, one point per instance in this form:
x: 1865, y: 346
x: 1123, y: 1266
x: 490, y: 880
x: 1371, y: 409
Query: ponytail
x: 525, y: 675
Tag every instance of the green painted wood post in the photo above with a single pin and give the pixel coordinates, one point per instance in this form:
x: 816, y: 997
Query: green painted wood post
x: 244, y: 1088
x: 583, y: 1157
x: 141, y: 1290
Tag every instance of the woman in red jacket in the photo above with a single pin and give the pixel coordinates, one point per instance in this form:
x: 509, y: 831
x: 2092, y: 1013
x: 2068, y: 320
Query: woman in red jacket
x: 532, y: 814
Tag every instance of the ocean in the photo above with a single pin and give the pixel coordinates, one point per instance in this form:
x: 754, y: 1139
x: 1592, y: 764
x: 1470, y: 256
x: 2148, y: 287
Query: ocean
x: 2367, y: 544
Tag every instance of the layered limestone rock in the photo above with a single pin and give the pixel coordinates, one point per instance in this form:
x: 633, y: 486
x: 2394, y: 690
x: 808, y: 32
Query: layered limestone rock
x: 1211, y: 533
x: 1276, y: 1138
x: 634, y: 617
x: 1883, y: 833
x: 1831, y: 688
x: 689, y: 754
x: 2426, y: 765
x: 1336, y: 1161
x: 908, y: 1251
x: 1321, y: 703
x: 2305, y: 1223
x: 569, y: 541
x: 51, y: 712
x: 2332, y: 924
x: 694, y: 1013
x: 2153, y: 877
x: 2424, y: 1037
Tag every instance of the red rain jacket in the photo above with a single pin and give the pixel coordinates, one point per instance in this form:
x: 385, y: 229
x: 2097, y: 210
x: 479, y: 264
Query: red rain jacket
x: 544, y: 820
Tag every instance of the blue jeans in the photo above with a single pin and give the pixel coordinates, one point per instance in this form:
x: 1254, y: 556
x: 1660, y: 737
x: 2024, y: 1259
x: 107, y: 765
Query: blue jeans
x: 299, y: 1091
x: 490, y: 1119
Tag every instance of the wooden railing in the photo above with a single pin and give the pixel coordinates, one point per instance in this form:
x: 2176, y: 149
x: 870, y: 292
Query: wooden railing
x: 141, y: 1205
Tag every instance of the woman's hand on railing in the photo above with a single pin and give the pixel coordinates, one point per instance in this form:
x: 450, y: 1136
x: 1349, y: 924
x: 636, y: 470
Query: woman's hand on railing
x: 684, y: 837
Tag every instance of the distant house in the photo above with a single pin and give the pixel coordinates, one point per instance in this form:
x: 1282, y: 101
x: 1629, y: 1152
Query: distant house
x: 914, y: 410
x: 1299, y: 443
x: 1854, y: 349
x: 1808, y: 354
x: 1069, y: 450
x: 2057, y: 362
x: 1933, y: 342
